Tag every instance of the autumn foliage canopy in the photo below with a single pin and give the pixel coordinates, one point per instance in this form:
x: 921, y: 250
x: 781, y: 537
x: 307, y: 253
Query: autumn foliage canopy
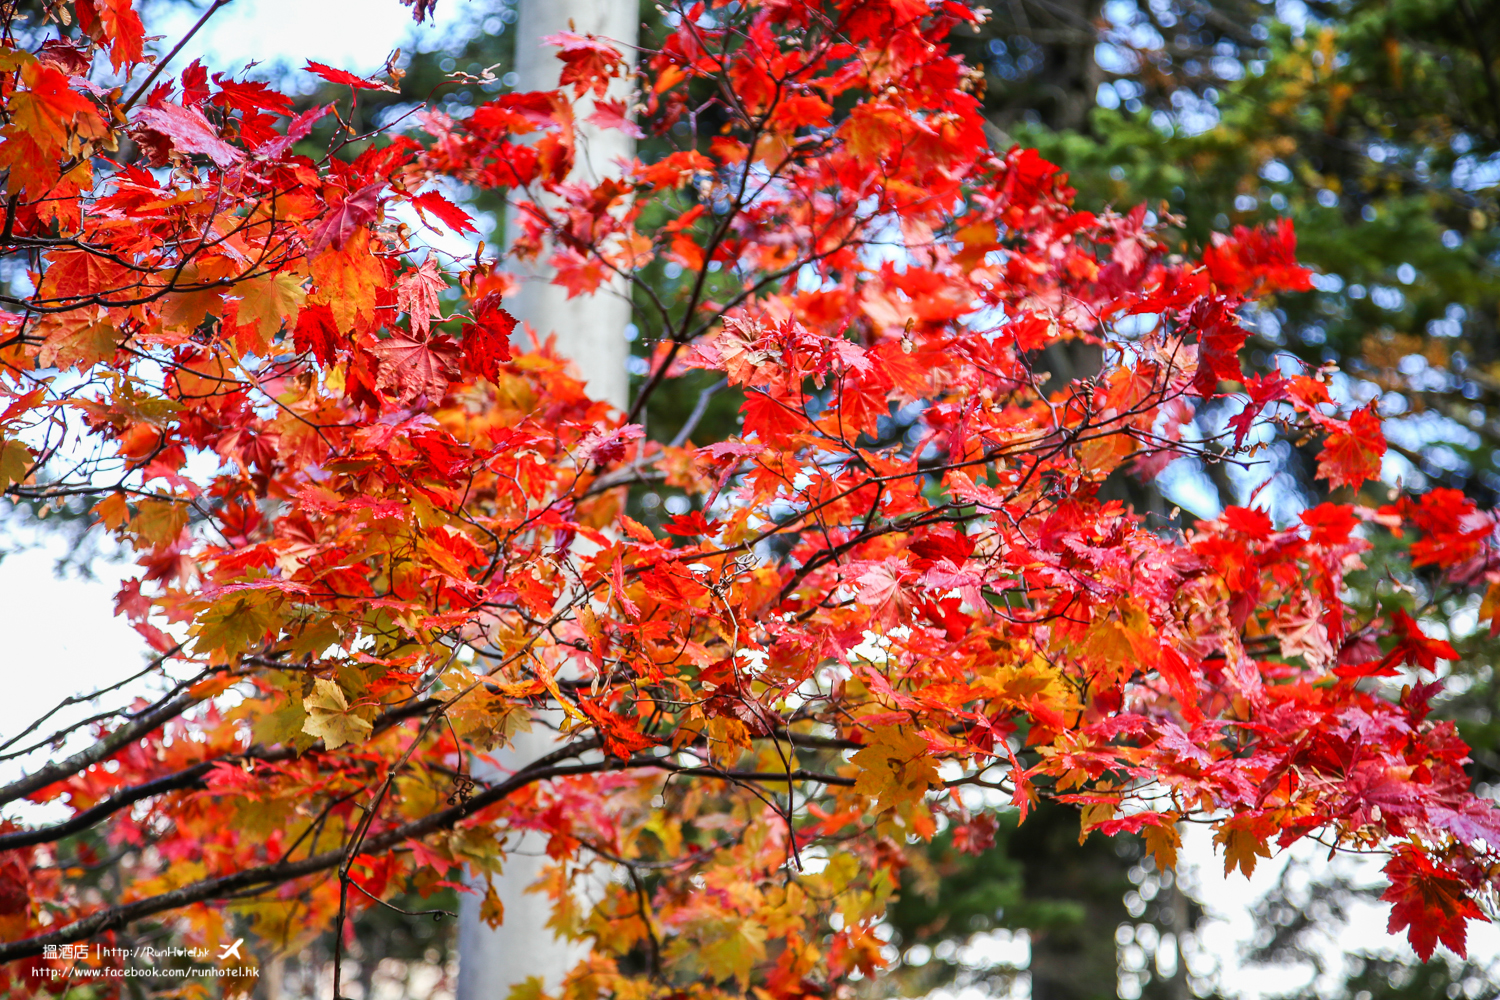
x: 381, y: 529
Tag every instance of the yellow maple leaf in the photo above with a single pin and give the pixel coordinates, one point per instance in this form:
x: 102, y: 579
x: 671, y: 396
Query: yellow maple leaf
x: 895, y: 767
x: 530, y: 988
x: 282, y: 725
x: 15, y: 460
x: 236, y: 623
x: 159, y: 522
x: 186, y: 309
x: 1092, y: 815
x: 1118, y: 645
x: 269, y: 302
x: 1489, y: 608
x: 80, y: 341
x: 1102, y: 455
x: 1241, y: 849
x: 1162, y: 843
x: 329, y: 717
x: 732, y: 949
x: 492, y: 910
x: 727, y: 740
x: 112, y: 511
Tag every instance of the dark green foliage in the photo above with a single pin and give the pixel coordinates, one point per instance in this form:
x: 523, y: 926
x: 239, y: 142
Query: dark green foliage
x: 1075, y: 895
x: 1073, y: 900
x: 1372, y: 128
x: 1376, y: 978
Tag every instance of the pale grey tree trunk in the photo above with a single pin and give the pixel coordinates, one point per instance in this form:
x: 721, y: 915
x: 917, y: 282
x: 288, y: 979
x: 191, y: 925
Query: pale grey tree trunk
x: 492, y: 960
x: 590, y: 329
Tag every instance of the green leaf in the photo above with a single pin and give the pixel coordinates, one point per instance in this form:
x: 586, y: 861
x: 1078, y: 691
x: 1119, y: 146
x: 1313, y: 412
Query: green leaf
x: 236, y: 624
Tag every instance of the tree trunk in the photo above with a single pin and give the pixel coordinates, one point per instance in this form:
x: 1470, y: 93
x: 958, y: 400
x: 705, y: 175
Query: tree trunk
x: 590, y: 330
x: 1073, y: 949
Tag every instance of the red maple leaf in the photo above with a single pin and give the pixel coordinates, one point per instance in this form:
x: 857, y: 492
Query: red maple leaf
x: 1416, y: 647
x: 343, y: 77
x: 195, y: 84
x: 447, y: 213
x: 416, y: 367
x: 621, y: 737
x: 1263, y: 390
x: 1257, y: 261
x: 614, y: 115
x: 1331, y: 523
x: 300, y: 126
x: 588, y: 62
x: 417, y: 295
x: 318, y: 332
x: 774, y: 420
x: 1450, y: 526
x: 165, y: 127
x: 580, y: 275
x: 603, y: 447
x: 1352, y: 453
x: 1430, y: 902
x: 1249, y: 522
x: 129, y: 600
x: 487, y: 337
x: 1220, y: 338
x: 118, y: 24
x: 345, y: 217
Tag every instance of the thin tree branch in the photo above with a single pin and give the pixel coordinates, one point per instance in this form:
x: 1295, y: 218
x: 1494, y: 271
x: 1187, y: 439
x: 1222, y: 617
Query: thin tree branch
x: 99, y: 751
x: 115, y: 917
x: 700, y: 408
x: 190, y: 778
x: 80, y: 699
x: 162, y: 63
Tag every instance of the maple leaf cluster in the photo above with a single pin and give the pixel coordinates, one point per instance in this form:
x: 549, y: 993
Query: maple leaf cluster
x: 378, y: 535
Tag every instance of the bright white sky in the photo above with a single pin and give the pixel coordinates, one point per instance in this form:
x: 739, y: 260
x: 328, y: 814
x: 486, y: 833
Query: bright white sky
x: 355, y: 35
x: 62, y: 638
